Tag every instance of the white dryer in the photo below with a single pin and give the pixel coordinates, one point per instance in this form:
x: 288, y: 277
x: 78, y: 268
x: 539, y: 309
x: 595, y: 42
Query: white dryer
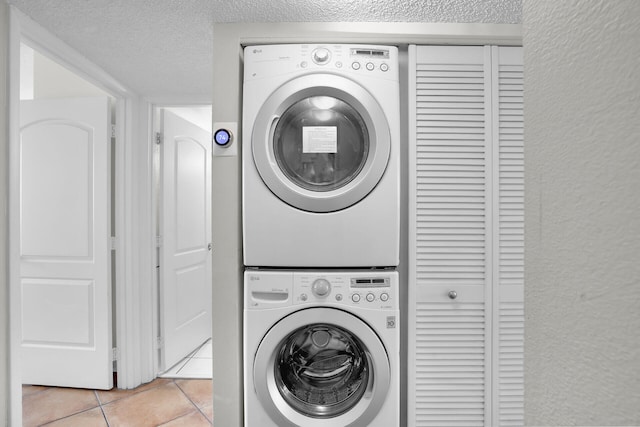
x: 321, y: 348
x: 321, y: 152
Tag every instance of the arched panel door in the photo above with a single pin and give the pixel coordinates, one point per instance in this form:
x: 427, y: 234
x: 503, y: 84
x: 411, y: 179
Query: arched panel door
x: 65, y: 258
x: 185, y: 226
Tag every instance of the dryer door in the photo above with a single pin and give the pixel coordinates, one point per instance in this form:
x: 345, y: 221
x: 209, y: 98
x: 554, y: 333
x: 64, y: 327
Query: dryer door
x: 321, y: 364
x: 321, y: 143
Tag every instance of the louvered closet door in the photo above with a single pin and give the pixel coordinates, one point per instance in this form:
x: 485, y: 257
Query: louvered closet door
x: 450, y: 244
x: 465, y: 237
x: 508, y: 286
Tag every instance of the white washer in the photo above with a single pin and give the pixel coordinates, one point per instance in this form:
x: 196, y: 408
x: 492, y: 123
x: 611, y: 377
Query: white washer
x: 321, y: 348
x: 321, y: 151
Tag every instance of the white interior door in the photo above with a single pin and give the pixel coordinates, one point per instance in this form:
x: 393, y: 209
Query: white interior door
x: 185, y: 227
x: 65, y: 265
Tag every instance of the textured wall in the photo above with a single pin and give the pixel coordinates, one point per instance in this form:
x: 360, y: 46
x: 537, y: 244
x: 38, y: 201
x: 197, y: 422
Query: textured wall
x: 582, y: 127
x: 4, y: 172
x: 486, y: 11
x: 162, y: 48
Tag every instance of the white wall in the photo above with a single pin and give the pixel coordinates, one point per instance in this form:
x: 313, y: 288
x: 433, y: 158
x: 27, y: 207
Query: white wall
x: 4, y: 186
x: 41, y: 77
x: 198, y: 115
x: 582, y: 133
x: 52, y: 80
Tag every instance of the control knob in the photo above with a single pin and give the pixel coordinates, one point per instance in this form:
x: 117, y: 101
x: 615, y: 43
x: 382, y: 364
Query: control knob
x: 321, y: 287
x: 321, y: 55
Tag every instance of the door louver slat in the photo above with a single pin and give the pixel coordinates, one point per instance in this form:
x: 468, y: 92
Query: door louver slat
x: 510, y: 347
x: 450, y: 365
x: 442, y: 140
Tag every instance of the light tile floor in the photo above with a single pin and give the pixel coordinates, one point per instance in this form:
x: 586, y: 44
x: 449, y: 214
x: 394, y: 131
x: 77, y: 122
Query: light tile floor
x: 163, y: 402
x: 198, y: 364
x: 181, y: 397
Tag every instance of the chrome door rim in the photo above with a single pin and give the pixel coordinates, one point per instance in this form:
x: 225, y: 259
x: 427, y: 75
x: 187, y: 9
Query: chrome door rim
x: 321, y: 85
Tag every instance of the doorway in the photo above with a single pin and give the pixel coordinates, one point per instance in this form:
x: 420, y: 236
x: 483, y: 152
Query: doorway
x: 66, y: 198
x: 188, y: 352
x: 182, y: 199
x: 65, y: 226
x: 46, y: 83
x: 134, y: 297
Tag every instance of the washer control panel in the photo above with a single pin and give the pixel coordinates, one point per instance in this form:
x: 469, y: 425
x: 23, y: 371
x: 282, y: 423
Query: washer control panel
x: 375, y: 290
x: 363, y: 289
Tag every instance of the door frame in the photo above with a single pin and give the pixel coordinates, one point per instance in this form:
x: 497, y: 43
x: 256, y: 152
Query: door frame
x: 134, y: 242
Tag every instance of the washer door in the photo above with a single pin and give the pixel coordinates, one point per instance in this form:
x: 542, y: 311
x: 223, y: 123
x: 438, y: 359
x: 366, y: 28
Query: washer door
x: 321, y: 364
x: 321, y: 142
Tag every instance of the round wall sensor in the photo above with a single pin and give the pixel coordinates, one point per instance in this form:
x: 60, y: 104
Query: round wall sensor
x: 222, y: 137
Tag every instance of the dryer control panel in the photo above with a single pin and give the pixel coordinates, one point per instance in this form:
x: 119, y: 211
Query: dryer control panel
x: 361, y: 60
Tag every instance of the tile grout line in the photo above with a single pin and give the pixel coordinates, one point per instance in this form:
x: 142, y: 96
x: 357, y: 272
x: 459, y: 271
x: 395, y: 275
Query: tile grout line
x: 77, y: 413
x: 190, y: 401
x: 174, y: 371
x: 193, y: 403
x: 106, y: 420
x: 183, y: 362
x: 71, y: 414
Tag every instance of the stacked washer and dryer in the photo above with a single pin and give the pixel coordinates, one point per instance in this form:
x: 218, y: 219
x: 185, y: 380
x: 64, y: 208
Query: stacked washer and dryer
x: 321, y: 219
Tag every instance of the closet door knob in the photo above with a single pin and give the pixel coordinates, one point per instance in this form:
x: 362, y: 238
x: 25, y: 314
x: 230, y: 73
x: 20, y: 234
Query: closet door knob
x: 453, y: 294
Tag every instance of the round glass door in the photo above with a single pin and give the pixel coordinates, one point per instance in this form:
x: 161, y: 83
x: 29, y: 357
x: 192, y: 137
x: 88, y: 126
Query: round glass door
x: 334, y: 148
x: 321, y: 143
x: 321, y: 364
x: 322, y: 370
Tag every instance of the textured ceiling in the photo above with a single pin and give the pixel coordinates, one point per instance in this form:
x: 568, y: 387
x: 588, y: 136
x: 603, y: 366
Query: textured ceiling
x: 162, y: 48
